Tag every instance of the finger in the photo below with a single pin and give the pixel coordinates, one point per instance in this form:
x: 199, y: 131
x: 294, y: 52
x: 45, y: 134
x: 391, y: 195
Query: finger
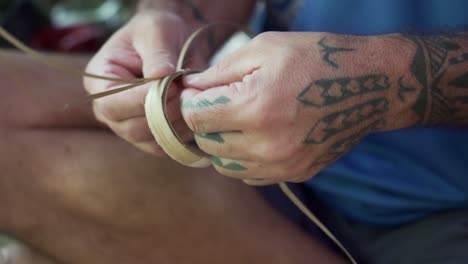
x: 134, y: 130
x: 232, y: 168
x: 122, y: 106
x: 150, y: 147
x: 117, y: 58
x: 215, y: 110
x: 261, y: 181
x: 131, y: 103
x: 230, y: 145
x: 243, y: 170
x: 159, y: 46
x: 231, y: 69
x: 254, y: 172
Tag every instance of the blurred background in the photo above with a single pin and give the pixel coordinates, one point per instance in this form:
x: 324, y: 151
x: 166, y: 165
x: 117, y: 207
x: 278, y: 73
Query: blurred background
x: 64, y: 25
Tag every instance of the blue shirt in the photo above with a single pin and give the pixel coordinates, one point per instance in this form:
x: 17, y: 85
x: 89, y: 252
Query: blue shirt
x: 394, y: 177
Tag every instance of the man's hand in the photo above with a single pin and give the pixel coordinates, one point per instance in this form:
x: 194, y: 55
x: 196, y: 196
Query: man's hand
x: 147, y: 46
x: 288, y: 104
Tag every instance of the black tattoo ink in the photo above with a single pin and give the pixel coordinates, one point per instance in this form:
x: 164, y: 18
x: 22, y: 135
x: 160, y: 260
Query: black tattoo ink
x: 189, y: 104
x: 234, y: 166
x: 331, y: 91
x: 402, y: 89
x: 435, y: 57
x: 460, y: 59
x: 212, y: 136
x: 339, y: 122
x: 341, y: 147
x: 328, y: 51
x: 460, y: 81
x: 198, y: 15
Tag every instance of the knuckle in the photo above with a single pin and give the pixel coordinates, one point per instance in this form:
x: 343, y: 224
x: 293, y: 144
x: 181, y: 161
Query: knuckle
x: 267, y: 37
x: 220, y: 68
x: 131, y: 134
x: 102, y: 109
x: 98, y: 113
x: 193, y: 121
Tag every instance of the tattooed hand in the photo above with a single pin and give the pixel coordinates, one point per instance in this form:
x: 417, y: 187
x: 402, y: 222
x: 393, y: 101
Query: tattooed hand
x: 288, y: 104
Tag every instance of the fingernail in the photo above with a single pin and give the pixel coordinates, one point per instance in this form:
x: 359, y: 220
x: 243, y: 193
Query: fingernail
x: 192, y: 79
x: 162, y: 69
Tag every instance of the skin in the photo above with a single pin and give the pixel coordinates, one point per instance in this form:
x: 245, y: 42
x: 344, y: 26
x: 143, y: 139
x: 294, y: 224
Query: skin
x: 148, y: 45
x: 73, y: 191
x: 282, y: 92
x: 305, y: 99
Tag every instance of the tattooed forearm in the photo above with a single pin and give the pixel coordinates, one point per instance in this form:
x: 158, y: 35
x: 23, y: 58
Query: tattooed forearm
x: 440, y: 65
x: 328, y: 51
x: 189, y: 104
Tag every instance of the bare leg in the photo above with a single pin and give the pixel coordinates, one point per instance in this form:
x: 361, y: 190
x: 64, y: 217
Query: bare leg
x: 81, y: 195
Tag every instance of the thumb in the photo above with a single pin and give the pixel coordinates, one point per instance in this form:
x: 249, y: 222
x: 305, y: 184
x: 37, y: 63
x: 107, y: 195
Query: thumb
x: 158, y: 49
x: 230, y: 70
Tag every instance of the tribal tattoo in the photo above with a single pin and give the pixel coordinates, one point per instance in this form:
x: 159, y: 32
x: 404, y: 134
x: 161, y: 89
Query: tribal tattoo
x: 189, y: 104
x: 234, y: 166
x: 341, y: 125
x: 328, y: 51
x: 341, y: 147
x: 212, y: 136
x: 346, y: 119
x: 440, y: 65
x: 402, y: 89
x: 325, y: 92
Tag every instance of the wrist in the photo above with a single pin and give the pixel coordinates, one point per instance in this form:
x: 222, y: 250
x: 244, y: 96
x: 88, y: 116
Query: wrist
x: 404, y: 90
x: 367, y: 70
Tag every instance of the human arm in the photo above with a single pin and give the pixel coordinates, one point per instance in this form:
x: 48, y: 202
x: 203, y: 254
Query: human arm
x: 296, y: 102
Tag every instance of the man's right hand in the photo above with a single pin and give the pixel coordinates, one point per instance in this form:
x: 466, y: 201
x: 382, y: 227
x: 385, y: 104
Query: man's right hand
x: 147, y: 46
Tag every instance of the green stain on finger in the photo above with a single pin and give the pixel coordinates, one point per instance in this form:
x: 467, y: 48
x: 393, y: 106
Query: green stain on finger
x: 212, y: 136
x: 234, y: 166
